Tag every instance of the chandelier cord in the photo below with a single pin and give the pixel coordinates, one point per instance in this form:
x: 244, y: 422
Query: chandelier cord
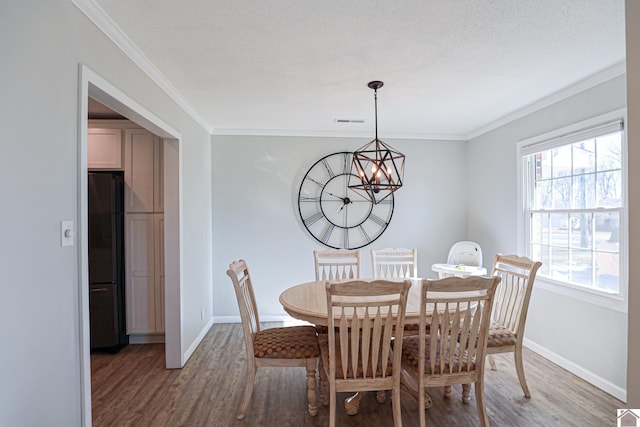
x: 375, y: 98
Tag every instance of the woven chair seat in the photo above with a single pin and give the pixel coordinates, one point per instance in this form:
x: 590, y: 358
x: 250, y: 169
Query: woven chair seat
x: 324, y: 344
x: 499, y: 336
x: 411, y: 353
x: 293, y: 342
x: 414, y: 329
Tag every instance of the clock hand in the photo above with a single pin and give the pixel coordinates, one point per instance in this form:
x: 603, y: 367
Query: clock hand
x: 346, y: 201
x: 335, y: 195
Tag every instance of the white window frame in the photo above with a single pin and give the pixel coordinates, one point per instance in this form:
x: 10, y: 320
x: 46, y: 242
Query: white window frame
x: 541, y: 142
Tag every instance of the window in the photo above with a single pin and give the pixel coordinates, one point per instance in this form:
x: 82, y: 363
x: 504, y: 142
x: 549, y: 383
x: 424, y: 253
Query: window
x: 574, y: 206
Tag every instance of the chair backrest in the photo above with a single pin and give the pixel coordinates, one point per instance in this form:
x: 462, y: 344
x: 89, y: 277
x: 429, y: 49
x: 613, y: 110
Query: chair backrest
x: 465, y: 252
x: 337, y: 264
x: 459, y: 310
x: 239, y: 274
x: 363, y: 327
x: 394, y: 262
x: 513, y: 295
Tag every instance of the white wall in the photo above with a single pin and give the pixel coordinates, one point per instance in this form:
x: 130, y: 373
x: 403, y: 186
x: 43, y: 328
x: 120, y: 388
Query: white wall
x: 633, y: 133
x: 561, y: 327
x: 41, y: 46
x: 255, y: 216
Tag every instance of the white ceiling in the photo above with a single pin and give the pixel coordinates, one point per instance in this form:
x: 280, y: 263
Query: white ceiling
x: 451, y: 68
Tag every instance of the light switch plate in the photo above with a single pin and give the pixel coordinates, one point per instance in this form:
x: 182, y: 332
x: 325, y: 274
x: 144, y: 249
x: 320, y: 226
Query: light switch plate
x: 66, y: 233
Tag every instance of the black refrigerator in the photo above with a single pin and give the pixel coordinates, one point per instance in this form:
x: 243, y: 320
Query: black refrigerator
x: 106, y: 261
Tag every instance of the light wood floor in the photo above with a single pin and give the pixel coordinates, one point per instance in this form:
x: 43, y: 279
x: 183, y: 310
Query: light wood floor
x: 132, y: 388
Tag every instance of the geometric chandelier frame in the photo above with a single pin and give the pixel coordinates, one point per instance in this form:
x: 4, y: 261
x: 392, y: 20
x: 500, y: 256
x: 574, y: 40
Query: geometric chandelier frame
x: 379, y: 166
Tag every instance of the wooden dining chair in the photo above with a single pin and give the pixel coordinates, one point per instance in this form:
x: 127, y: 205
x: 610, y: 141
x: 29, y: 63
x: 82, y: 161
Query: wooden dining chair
x: 510, y: 309
x: 337, y: 264
x: 358, y: 356
x: 394, y: 262
x: 458, y: 312
x: 293, y: 346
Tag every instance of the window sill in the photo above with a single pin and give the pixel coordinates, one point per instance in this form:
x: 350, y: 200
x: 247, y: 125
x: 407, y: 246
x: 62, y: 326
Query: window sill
x: 613, y: 302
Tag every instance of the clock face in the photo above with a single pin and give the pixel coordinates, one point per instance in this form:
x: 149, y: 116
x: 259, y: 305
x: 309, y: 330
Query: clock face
x: 336, y: 215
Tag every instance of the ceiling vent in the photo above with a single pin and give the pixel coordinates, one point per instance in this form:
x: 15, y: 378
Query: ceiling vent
x: 349, y: 120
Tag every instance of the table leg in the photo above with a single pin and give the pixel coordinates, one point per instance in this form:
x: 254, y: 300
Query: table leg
x: 311, y: 387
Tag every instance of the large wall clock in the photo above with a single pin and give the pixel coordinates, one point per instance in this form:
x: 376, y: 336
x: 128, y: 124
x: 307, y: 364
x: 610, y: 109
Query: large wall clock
x: 336, y: 215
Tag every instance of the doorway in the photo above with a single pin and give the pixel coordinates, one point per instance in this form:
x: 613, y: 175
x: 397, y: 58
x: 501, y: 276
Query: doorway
x: 94, y: 87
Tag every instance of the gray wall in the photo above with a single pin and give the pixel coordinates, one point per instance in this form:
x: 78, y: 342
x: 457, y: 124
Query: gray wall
x: 561, y: 327
x: 42, y: 44
x: 255, y: 216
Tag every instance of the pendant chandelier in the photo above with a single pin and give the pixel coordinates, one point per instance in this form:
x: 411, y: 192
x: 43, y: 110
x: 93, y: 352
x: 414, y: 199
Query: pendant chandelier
x: 379, y: 166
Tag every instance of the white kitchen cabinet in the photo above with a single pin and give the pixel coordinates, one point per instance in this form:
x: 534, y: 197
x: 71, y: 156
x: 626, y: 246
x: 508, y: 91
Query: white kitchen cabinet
x: 143, y: 159
x: 144, y: 273
x: 158, y: 233
x: 104, y: 148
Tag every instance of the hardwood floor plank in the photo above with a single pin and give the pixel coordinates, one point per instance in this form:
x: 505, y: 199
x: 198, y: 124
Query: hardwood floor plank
x: 132, y: 388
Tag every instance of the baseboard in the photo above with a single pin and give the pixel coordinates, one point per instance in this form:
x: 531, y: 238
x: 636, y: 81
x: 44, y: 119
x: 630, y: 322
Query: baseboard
x: 194, y: 345
x: 146, y: 338
x: 603, y: 384
x: 284, y: 318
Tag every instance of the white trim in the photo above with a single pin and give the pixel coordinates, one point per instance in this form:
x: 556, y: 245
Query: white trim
x: 284, y: 318
x: 615, y: 302
x: 603, y: 76
x: 194, y: 345
x: 83, y: 255
x: 92, y: 85
x: 105, y: 24
x: 335, y: 134
x: 146, y: 339
x: 607, y: 386
x: 99, y: 17
x: 619, y: 114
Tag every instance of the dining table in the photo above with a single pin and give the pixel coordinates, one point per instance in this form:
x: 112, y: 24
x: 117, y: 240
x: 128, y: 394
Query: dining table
x: 308, y: 302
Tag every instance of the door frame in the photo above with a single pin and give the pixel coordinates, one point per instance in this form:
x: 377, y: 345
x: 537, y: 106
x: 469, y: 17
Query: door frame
x: 94, y: 86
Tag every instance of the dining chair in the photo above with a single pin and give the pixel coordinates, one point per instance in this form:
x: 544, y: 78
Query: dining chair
x: 358, y: 356
x: 337, y: 264
x: 292, y: 346
x: 394, y: 262
x: 509, y: 315
x: 452, y: 351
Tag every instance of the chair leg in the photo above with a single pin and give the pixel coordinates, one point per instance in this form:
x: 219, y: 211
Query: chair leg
x: 480, y: 402
x: 422, y: 408
x: 395, y: 403
x: 332, y: 408
x: 466, y: 395
x: 446, y: 392
x: 520, y: 370
x: 492, y: 362
x: 248, y: 389
x: 324, y: 384
x: 312, y: 396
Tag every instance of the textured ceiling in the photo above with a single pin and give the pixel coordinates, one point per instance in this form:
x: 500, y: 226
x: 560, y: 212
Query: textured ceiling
x: 450, y: 67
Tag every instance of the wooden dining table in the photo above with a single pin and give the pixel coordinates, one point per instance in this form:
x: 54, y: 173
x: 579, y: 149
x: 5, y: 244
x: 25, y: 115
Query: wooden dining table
x: 308, y: 302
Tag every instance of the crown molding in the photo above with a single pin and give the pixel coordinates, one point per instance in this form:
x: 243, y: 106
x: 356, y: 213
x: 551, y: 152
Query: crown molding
x: 99, y: 17
x: 334, y: 134
x: 605, y: 75
x: 104, y: 23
